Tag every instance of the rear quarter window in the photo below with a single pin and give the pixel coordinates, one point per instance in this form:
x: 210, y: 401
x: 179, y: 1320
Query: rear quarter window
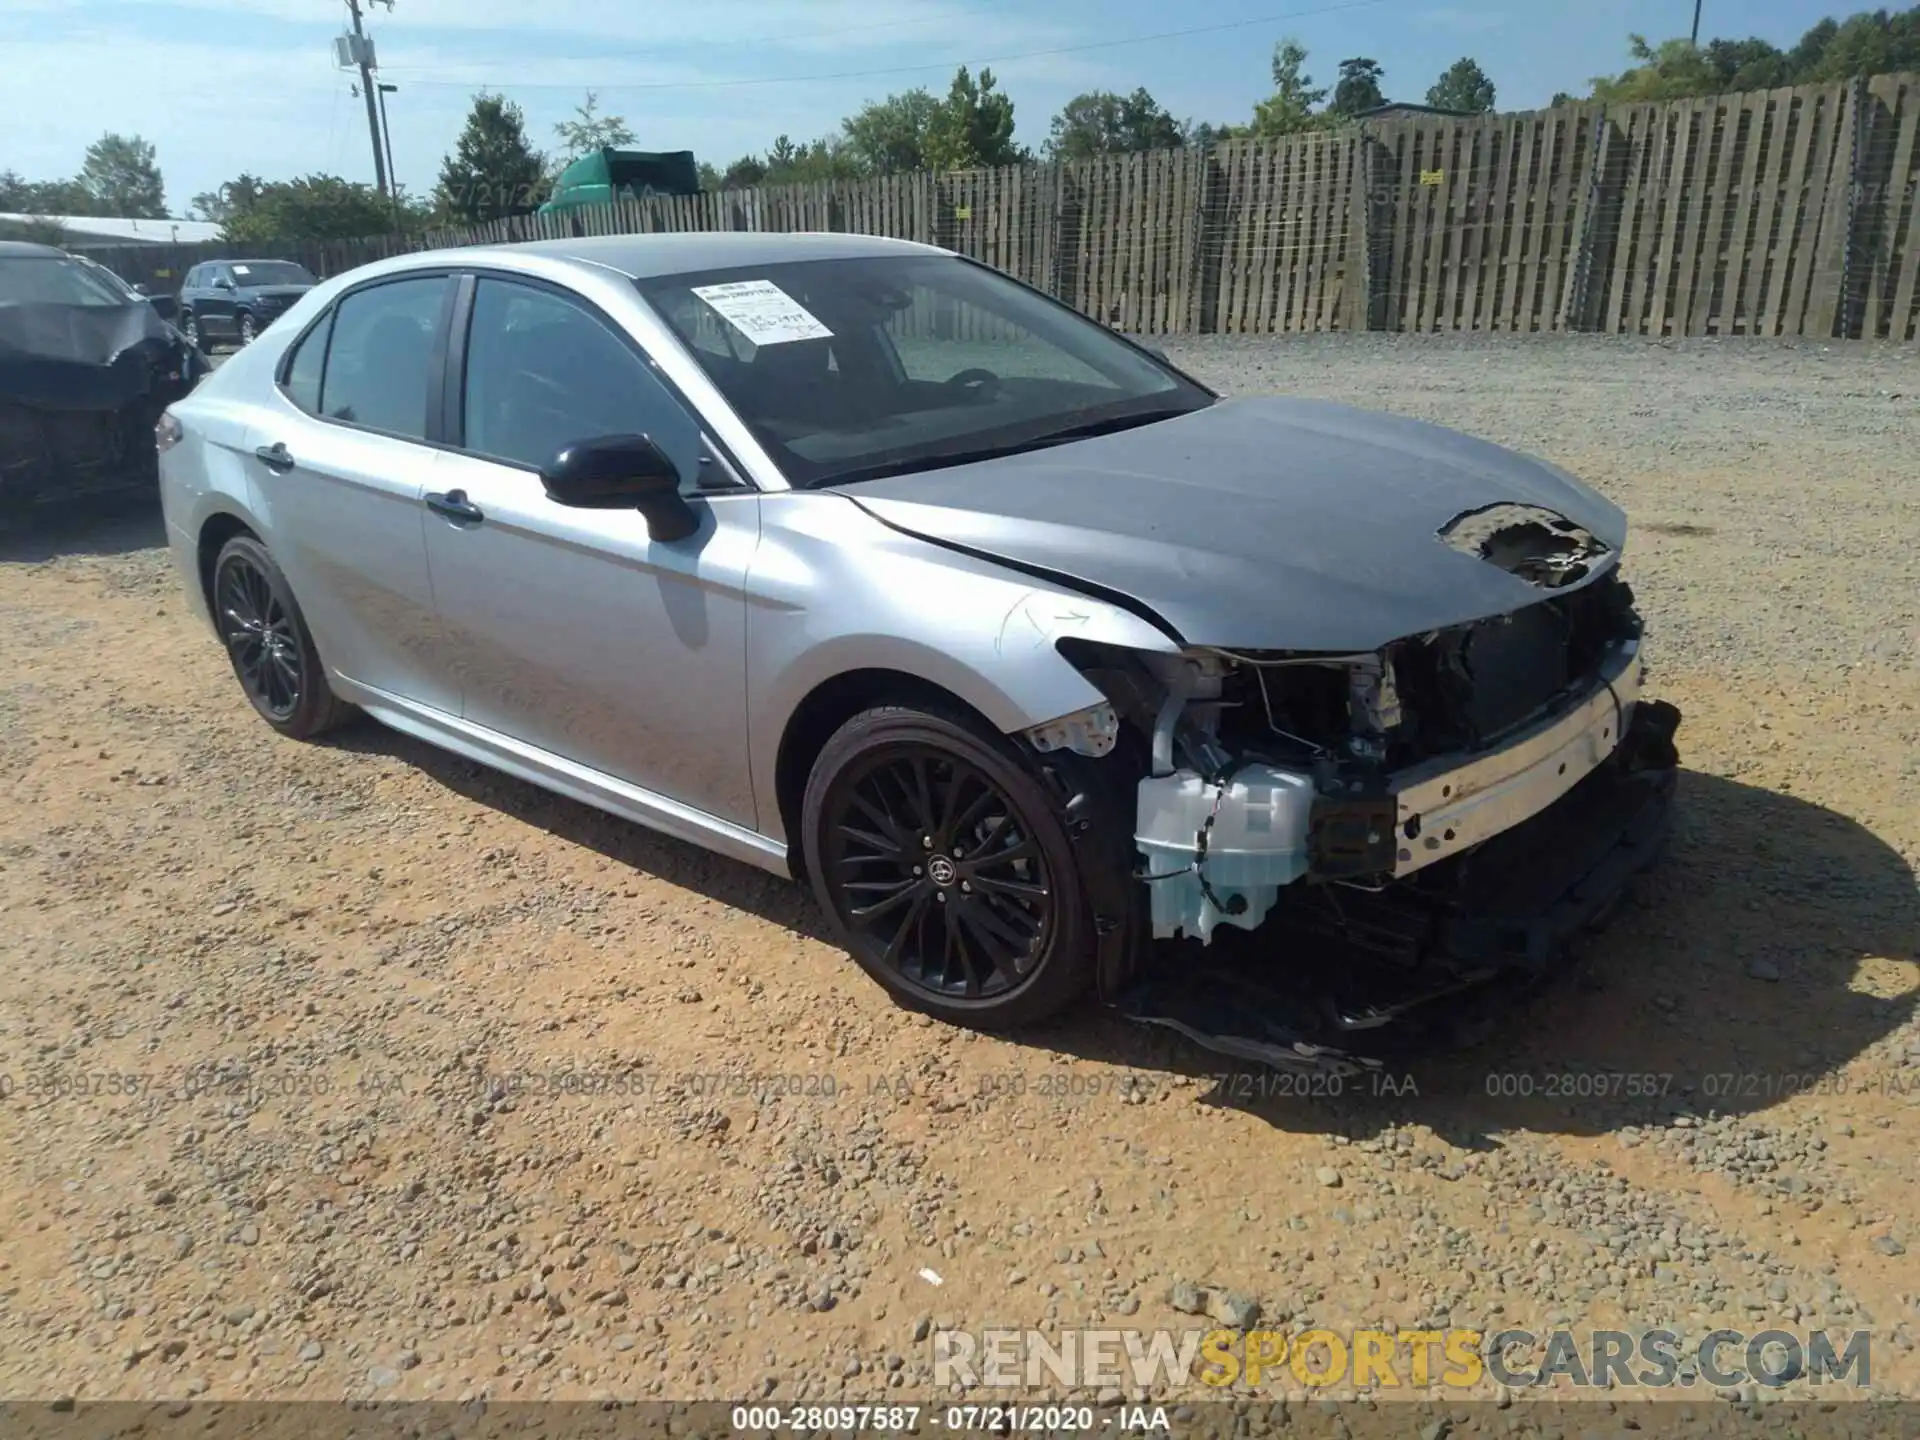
x: 306, y: 368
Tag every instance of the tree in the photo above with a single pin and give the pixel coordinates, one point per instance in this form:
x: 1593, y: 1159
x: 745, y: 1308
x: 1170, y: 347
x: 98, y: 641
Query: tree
x: 1463, y: 86
x: 20, y: 196
x: 1676, y: 70
x: 35, y: 230
x: 314, y: 207
x: 235, y: 197
x: 121, y: 178
x: 589, y: 131
x: 493, y: 170
x: 1102, y: 123
x: 828, y: 158
x: 1206, y: 134
x: 1358, y: 88
x: 784, y: 153
x: 887, y: 137
x: 1290, y: 108
x: 1870, y: 43
x: 1748, y: 64
x: 973, y: 129
x: 744, y: 173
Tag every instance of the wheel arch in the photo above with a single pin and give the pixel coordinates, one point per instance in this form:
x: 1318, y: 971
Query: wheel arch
x: 822, y: 711
x: 215, y: 531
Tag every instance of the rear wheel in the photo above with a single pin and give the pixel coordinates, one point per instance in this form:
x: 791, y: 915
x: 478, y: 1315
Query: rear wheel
x: 267, y: 640
x: 946, y: 867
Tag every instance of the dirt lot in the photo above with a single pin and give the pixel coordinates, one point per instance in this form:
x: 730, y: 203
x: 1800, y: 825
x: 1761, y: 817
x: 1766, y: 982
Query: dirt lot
x: 278, y: 1023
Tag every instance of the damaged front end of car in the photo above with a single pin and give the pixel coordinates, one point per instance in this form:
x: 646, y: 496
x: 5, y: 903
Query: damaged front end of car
x: 1330, y: 852
x: 81, y: 388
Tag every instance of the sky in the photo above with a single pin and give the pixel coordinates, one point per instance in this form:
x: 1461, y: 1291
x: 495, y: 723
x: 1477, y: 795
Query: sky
x: 222, y: 87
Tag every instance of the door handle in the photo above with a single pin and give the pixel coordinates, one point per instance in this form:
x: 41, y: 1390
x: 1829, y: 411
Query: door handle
x: 275, y: 457
x: 455, y: 506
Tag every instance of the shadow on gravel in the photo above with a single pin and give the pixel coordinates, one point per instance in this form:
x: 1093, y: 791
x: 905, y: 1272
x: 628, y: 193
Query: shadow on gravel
x: 116, y: 526
x: 728, y: 881
x: 1727, y: 984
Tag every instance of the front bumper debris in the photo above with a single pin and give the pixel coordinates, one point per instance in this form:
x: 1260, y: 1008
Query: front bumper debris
x: 1335, y: 963
x: 1444, y: 808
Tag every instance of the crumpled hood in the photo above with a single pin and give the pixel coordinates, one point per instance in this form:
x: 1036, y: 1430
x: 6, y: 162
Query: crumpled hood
x: 83, y: 357
x: 1257, y: 524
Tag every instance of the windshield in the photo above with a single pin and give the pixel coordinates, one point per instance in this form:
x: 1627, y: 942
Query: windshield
x: 851, y: 369
x: 54, y: 280
x: 270, y: 272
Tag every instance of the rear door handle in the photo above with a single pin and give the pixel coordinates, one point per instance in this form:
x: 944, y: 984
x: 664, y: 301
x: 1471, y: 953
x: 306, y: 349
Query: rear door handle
x: 455, y: 506
x: 275, y: 457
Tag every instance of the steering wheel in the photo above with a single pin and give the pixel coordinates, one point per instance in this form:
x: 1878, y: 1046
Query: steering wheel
x: 979, y: 384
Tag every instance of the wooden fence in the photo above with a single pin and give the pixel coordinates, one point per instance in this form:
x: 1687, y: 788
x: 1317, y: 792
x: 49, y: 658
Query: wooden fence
x: 1781, y: 212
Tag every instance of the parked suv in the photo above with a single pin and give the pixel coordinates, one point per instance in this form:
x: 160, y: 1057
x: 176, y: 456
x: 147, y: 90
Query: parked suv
x: 234, y: 300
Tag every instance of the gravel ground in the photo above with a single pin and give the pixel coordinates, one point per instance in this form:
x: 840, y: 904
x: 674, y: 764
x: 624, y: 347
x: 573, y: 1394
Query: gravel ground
x: 278, y: 1023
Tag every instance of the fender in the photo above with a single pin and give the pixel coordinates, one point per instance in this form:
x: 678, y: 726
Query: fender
x: 985, y: 634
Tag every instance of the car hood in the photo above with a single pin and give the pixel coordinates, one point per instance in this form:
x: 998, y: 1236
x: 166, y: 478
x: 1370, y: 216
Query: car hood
x: 1259, y: 524
x: 85, y: 357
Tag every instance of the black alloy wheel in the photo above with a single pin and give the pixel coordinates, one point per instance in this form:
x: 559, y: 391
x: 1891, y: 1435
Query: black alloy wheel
x: 946, y: 867
x: 267, y: 640
x: 258, y: 631
x: 190, y: 327
x: 248, y: 329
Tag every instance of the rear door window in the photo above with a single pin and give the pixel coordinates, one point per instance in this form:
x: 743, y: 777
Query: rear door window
x: 380, y: 356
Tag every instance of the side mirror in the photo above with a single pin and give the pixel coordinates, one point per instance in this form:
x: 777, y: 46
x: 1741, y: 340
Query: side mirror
x: 622, y: 472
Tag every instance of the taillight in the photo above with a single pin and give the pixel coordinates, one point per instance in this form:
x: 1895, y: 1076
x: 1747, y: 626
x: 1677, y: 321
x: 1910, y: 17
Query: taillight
x: 167, y: 432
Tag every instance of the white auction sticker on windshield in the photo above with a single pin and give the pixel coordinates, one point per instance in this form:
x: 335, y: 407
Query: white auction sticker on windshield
x: 763, y: 312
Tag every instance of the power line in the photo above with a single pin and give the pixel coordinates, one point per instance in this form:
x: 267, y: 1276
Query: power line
x: 933, y: 65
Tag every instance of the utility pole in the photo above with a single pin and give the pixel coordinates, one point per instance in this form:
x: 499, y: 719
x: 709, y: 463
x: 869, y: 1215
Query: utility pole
x: 1696, y: 22
x: 363, y: 53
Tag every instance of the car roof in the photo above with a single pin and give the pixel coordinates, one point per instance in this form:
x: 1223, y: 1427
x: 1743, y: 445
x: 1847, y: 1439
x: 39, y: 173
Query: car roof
x: 647, y: 257
x: 20, y: 249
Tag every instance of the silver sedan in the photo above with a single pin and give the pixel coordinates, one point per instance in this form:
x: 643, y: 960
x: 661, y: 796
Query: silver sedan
x: 1046, y: 666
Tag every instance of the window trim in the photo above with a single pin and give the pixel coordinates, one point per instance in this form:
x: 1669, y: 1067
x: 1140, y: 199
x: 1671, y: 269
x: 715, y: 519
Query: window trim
x: 436, y: 358
x: 733, y: 477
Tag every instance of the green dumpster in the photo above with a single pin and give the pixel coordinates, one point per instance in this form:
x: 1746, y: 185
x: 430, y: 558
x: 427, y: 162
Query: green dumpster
x: 603, y: 176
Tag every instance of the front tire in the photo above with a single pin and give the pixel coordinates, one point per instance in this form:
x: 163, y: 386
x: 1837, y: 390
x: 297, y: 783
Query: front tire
x: 946, y: 868
x: 267, y: 641
x: 248, y: 329
x: 190, y: 327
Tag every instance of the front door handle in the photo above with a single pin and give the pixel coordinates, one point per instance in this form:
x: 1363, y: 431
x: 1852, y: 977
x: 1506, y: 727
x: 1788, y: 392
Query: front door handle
x: 455, y: 506
x: 275, y: 457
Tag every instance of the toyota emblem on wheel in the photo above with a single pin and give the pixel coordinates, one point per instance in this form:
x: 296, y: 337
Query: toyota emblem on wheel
x: 941, y: 870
